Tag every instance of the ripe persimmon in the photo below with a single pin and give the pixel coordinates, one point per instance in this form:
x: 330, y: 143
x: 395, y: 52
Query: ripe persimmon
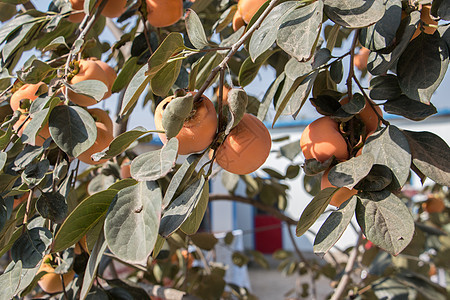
x: 238, y: 22
x: 360, y: 59
x: 125, y: 168
x: 21, y: 100
x: 51, y: 282
x: 247, y: 8
x: 246, y: 148
x: 81, y: 246
x: 321, y: 140
x: 104, y: 136
x: 112, y: 9
x: 18, y: 201
x: 427, y: 20
x: 342, y: 195
x: 368, y: 115
x: 433, y: 205
x: 89, y: 70
x: 163, y: 13
x: 198, y: 130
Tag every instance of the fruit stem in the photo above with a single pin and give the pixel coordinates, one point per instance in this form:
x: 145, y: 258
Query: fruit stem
x: 380, y: 117
x: 234, y: 48
x: 351, y: 72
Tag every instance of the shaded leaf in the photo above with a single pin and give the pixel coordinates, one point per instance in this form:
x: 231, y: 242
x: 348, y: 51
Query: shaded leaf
x: 430, y: 155
x: 31, y: 246
x: 52, y: 206
x: 314, y: 209
x: 179, y: 210
x: 334, y: 226
x: 84, y: 217
x: 72, y: 128
x: 390, y: 148
x: 349, y: 173
x: 204, y: 240
x: 410, y: 109
x: 385, y: 87
x: 303, y: 23
x: 193, y: 222
x: 249, y: 68
x: 354, y: 13
x: 385, y: 220
x: 163, y: 81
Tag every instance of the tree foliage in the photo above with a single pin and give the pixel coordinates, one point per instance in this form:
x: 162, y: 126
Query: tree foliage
x: 49, y: 204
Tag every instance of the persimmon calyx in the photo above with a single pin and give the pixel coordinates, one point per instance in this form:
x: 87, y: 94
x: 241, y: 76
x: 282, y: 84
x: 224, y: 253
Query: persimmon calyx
x: 175, y: 114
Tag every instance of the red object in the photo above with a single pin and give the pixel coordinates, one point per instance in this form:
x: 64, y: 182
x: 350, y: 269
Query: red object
x: 267, y: 234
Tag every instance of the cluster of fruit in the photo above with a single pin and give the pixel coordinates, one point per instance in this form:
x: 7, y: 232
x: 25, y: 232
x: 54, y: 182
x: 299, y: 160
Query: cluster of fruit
x: 160, y: 13
x: 244, y: 149
x: 91, y: 69
x: 322, y: 139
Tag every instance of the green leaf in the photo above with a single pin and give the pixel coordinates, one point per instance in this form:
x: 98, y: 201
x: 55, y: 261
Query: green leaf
x: 206, y: 65
x: 84, y: 217
x: 239, y: 258
x: 422, y: 67
x: 264, y: 37
x: 270, y: 95
x: 225, y: 18
x: 379, y: 62
x: 34, y: 173
x: 121, y: 184
x: 408, y: 108
x: 134, y: 89
x: 179, y: 210
x: 35, y: 72
x: 5, y: 137
x: 349, y: 173
x: 131, y: 225
x: 337, y: 71
x: 173, y: 43
x: 385, y: 220
x: 354, y: 13
x: 53, y: 45
x: 390, y: 148
x: 10, y: 280
x: 52, y: 206
x: 441, y: 9
x: 72, y: 128
x: 27, y: 156
x: 204, y: 240
x: 302, y: 24
x: 249, y: 69
x: 121, y: 143
x: 382, y: 34
x: 229, y: 181
x: 181, y: 178
x: 294, y: 95
x: 39, y: 120
x: 385, y: 87
x: 126, y: 74
x: 291, y: 150
x: 192, y: 223
x: 31, y: 246
x: 155, y: 164
x: 195, y: 30
x: 163, y: 81
x: 334, y: 226
x: 430, y: 155
x: 379, y: 178
x: 92, y: 88
x: 314, y: 209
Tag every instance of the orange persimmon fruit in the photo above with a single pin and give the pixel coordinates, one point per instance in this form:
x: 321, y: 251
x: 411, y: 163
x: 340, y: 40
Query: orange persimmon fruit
x: 321, y: 140
x: 51, y: 282
x: 90, y: 70
x: 112, y: 9
x: 428, y: 20
x: 104, y: 136
x: 369, y: 115
x: 198, y: 130
x: 246, y: 147
x: 21, y: 100
x: 163, y: 13
x: 247, y: 8
x: 433, y: 205
x: 360, y: 59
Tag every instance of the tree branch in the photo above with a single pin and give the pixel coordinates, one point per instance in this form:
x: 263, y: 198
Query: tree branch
x: 347, y: 271
x: 234, y: 48
x: 273, y: 211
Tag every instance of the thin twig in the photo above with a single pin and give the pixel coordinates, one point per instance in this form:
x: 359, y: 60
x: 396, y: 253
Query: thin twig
x: 234, y: 48
x: 340, y: 289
